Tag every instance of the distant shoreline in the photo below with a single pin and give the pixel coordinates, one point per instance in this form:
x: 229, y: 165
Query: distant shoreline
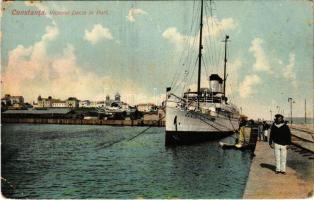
x: 137, y: 122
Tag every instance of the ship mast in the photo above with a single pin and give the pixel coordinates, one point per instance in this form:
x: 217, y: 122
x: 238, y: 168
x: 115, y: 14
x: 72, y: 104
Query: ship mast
x: 225, y: 65
x: 200, y: 58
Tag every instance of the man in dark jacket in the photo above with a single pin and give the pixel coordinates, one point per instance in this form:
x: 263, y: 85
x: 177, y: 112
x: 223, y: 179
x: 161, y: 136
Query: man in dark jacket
x: 280, y: 138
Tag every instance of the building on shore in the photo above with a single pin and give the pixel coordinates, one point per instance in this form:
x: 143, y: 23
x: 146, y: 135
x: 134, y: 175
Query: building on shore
x: 84, y: 104
x: 100, y: 104
x: 12, y: 101
x: 44, y: 102
x: 146, y: 107
x: 116, y: 102
x: 124, y: 106
x: 59, y: 104
x: 108, y: 101
x: 72, y: 102
x: 50, y: 102
x: 117, y: 97
x: 91, y: 104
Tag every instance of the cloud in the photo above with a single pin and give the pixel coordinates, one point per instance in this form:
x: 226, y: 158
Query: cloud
x: 246, y: 87
x: 288, y: 71
x: 51, y: 33
x: 217, y: 27
x: 174, y: 36
x: 261, y: 62
x: 97, y: 34
x: 233, y: 73
x: 279, y: 62
x: 134, y: 12
x: 23, y: 63
x: 215, y: 30
x: 31, y: 71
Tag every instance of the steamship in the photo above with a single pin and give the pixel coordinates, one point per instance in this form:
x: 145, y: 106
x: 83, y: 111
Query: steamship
x: 201, y: 115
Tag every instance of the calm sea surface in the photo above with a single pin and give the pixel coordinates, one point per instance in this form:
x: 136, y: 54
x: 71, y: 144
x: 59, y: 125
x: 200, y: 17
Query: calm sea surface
x: 72, y: 161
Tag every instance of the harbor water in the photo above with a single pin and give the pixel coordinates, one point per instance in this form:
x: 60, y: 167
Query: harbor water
x: 73, y: 161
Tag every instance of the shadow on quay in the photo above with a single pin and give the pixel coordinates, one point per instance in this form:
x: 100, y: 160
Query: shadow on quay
x: 268, y: 166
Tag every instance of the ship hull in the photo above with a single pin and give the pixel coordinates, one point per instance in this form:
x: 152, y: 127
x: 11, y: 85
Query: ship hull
x: 188, y: 127
x: 188, y: 137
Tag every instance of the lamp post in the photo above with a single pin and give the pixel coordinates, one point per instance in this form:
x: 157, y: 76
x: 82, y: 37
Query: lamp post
x: 305, y: 111
x: 155, y: 95
x: 271, y: 115
x: 291, y: 101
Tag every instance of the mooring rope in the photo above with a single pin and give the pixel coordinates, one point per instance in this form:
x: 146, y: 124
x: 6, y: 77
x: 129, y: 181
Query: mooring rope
x: 146, y: 129
x: 143, y: 131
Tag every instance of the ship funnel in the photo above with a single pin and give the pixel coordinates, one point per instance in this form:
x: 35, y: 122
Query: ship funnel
x: 215, y: 83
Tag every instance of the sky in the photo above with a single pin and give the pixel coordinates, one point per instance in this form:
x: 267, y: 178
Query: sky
x: 89, y: 49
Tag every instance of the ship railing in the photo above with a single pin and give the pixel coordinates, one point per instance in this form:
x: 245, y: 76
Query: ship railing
x: 202, y: 100
x: 189, y: 103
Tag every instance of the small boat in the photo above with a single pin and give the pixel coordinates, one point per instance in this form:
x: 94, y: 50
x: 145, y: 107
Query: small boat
x: 224, y: 145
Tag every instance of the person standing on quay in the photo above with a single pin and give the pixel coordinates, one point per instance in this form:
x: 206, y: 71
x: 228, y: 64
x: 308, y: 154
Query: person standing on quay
x: 280, y: 138
x: 260, y: 131
x: 265, y: 131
